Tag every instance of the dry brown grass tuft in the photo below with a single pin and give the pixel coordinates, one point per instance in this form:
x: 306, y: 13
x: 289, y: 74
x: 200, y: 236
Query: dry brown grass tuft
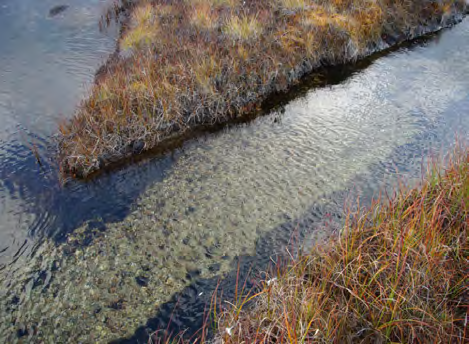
x: 186, y: 63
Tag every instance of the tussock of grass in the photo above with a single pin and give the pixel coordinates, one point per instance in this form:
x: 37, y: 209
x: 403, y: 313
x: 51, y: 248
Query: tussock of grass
x: 243, y: 27
x: 186, y: 63
x: 145, y: 30
x: 398, y: 273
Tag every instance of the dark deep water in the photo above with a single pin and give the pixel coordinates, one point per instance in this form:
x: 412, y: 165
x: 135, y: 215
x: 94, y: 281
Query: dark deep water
x: 355, y: 129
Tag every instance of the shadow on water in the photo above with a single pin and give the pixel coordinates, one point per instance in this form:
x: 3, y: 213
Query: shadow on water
x: 106, y: 199
x: 59, y: 210
x: 187, y: 310
x: 109, y: 197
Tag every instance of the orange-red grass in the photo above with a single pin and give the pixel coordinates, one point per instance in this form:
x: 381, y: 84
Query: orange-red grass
x: 398, y: 273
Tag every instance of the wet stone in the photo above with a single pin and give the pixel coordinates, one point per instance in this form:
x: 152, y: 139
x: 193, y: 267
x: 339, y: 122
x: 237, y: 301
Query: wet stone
x: 117, y: 305
x: 214, y: 267
x: 15, y: 300
x: 21, y: 333
x: 193, y: 274
x: 142, y: 281
x: 41, y: 280
x: 190, y: 210
x: 56, y: 10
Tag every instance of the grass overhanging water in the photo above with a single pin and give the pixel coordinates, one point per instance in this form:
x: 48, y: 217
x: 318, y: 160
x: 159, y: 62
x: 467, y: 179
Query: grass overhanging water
x: 185, y: 63
x: 397, y: 273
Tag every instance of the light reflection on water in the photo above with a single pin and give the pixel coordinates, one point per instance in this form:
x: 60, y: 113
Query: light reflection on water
x: 182, y: 219
x: 46, y: 65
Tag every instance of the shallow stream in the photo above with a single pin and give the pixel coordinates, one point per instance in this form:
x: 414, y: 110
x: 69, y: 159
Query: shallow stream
x: 153, y: 238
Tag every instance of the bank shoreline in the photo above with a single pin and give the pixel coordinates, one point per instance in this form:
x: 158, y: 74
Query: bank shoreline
x: 144, y: 101
x: 397, y: 272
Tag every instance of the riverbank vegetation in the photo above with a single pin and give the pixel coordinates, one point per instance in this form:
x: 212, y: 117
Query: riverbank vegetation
x: 397, y: 273
x: 182, y: 64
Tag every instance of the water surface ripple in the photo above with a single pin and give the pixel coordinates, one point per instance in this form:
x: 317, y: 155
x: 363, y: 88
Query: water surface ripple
x: 160, y: 233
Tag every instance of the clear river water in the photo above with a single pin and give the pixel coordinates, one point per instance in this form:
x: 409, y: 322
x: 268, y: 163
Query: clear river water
x: 117, y: 257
